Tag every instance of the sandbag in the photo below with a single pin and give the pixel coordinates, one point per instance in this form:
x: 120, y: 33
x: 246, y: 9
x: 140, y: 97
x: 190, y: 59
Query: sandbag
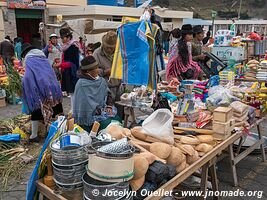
x: 159, y: 125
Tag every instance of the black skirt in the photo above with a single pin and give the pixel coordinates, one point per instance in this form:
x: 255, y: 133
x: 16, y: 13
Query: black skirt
x: 68, y: 81
x: 38, y: 116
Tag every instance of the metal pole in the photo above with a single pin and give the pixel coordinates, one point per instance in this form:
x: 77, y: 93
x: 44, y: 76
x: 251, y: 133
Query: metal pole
x: 213, y: 18
x: 239, y: 11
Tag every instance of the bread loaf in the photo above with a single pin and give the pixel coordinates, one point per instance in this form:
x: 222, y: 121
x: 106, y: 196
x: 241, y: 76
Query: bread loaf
x: 140, y: 166
x: 176, y: 157
x: 137, y: 184
x: 160, y: 149
x: 191, y: 159
x: 115, y: 131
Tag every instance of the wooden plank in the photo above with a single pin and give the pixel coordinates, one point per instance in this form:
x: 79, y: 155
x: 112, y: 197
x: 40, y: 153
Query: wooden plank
x: 201, y: 131
x: 204, y: 179
x: 262, y: 145
x: 48, y: 192
x: 198, y: 164
x: 214, y: 180
x: 233, y: 167
x: 248, y: 151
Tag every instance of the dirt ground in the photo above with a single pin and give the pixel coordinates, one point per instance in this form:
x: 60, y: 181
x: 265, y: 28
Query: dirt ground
x: 252, y: 173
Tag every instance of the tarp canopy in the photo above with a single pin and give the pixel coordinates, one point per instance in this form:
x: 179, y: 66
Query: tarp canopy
x: 196, y: 21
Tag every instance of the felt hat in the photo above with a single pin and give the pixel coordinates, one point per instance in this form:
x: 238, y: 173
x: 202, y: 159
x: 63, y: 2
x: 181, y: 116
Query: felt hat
x: 65, y: 32
x: 110, y: 39
x: 89, y: 63
x: 198, y: 29
x: 187, y: 29
x: 26, y: 47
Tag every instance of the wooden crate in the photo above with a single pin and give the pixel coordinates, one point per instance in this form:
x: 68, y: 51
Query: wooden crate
x: 223, y: 128
x: 223, y: 114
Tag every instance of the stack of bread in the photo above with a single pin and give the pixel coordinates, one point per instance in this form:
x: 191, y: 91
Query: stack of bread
x: 252, y: 70
x: 241, y: 111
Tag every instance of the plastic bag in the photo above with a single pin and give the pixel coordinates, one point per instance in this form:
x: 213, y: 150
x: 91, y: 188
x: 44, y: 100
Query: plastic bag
x: 159, y: 125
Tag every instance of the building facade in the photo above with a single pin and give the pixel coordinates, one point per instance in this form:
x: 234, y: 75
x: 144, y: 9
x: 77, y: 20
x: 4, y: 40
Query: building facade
x: 21, y: 18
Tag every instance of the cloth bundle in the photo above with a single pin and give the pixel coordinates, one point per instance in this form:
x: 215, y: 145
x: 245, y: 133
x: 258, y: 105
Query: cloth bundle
x: 241, y: 112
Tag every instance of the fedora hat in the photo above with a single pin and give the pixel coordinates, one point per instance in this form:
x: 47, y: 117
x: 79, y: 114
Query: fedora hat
x: 197, y: 29
x: 187, y: 29
x: 65, y: 32
x: 110, y: 39
x: 26, y: 47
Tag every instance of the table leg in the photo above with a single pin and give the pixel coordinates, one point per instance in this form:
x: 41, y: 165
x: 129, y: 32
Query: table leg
x: 262, y: 145
x: 126, y: 120
x: 239, y: 146
x: 232, y: 163
x: 133, y: 115
x: 204, y: 179
x: 214, y: 180
x: 41, y: 196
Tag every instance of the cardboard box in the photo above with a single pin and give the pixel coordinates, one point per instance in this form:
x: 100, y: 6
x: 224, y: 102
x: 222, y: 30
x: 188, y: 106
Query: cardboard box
x: 223, y: 114
x: 223, y: 128
x: 2, y: 102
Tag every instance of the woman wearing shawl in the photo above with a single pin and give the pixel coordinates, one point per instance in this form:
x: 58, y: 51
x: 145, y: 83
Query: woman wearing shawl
x: 92, y: 97
x: 181, y: 65
x: 70, y: 62
x: 41, y: 92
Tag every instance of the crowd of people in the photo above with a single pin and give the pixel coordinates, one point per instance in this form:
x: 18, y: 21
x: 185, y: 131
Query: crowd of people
x: 68, y: 68
x: 64, y: 69
x: 82, y: 73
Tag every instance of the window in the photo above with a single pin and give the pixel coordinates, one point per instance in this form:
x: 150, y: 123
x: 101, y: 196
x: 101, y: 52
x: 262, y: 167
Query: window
x: 116, y: 18
x: 167, y: 19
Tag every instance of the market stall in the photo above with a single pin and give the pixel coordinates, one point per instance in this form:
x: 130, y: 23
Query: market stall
x: 186, y: 127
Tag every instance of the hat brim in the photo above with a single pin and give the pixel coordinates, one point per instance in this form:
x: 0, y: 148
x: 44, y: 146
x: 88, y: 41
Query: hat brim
x: 90, y: 68
x: 66, y: 35
x: 26, y: 50
x: 187, y: 32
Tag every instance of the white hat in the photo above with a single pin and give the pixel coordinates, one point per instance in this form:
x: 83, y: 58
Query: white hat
x: 53, y: 35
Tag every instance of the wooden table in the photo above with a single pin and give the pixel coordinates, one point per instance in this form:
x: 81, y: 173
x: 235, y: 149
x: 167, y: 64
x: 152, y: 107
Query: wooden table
x: 129, y: 111
x: 236, y: 157
x: 47, y: 192
x: 206, y: 163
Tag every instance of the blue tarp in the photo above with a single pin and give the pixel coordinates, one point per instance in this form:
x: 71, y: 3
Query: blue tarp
x: 31, y: 187
x: 135, y: 53
x: 10, y: 138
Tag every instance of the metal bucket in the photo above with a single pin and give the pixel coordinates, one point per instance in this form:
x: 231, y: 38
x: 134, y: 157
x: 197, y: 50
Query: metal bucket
x: 68, y: 187
x: 68, y: 157
x: 94, y: 189
x: 69, y: 175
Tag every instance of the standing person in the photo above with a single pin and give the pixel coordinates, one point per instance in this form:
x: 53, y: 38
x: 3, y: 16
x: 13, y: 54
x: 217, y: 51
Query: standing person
x: 181, y: 65
x: 53, y: 52
x: 82, y: 45
x: 166, y: 41
x: 18, y: 47
x: 176, y: 35
x: 7, y: 49
x: 159, y: 42
x: 92, y: 95
x: 41, y: 91
x: 197, y: 44
x: 207, y: 38
x: 104, y: 56
x: 70, y: 62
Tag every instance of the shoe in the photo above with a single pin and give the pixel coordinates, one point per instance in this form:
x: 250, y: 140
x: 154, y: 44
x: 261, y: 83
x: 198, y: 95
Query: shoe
x: 34, y: 140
